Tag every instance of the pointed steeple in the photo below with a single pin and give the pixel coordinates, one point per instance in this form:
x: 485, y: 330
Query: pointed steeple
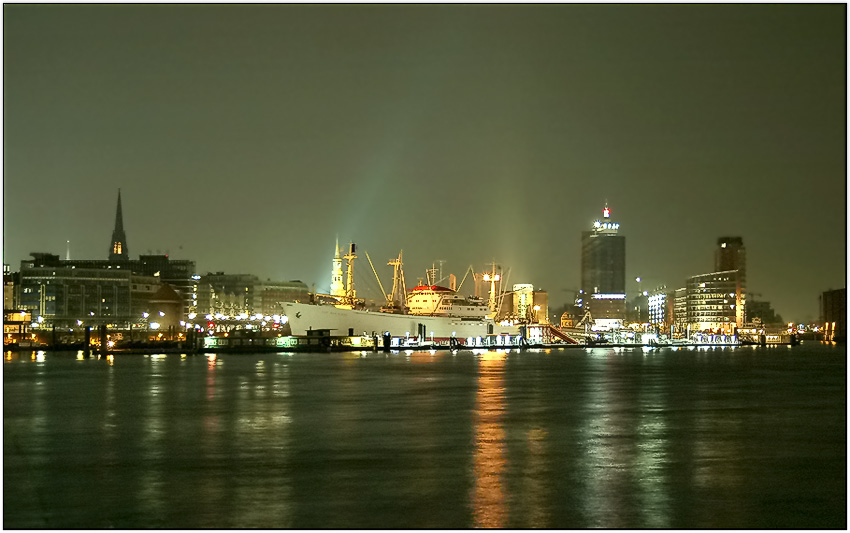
x: 119, y: 218
x: 337, y: 288
x: 118, y: 247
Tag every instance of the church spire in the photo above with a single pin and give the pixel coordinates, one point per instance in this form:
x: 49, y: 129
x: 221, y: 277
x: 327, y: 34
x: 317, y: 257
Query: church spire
x: 337, y: 288
x: 118, y: 248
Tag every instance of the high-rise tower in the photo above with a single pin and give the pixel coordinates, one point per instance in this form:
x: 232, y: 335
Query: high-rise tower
x: 118, y: 248
x: 603, y: 269
x: 730, y: 254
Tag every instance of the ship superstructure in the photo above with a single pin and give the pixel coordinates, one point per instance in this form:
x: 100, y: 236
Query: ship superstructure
x: 434, y: 300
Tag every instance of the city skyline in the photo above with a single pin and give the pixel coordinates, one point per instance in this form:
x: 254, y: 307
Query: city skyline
x: 246, y: 138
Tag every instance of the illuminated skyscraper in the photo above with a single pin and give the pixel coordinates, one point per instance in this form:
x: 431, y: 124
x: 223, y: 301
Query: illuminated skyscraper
x: 118, y: 248
x: 603, y: 269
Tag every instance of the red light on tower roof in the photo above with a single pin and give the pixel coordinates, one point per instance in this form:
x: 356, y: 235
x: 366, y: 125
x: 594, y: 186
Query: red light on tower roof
x: 606, y: 212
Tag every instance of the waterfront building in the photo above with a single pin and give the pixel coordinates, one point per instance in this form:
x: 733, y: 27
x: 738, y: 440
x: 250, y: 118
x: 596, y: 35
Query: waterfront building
x: 680, y: 311
x: 180, y: 274
x: 240, y: 294
x: 163, y: 311
x: 16, y: 325
x: 69, y: 296
x: 761, y: 312
x: 275, y: 293
x: 603, y: 271
x: 637, y: 309
x: 524, y: 305
x: 227, y: 294
x: 523, y: 301
x: 715, y: 302
x: 833, y: 311
x: 540, y: 307
x: 8, y: 287
x: 657, y: 308
x: 177, y: 273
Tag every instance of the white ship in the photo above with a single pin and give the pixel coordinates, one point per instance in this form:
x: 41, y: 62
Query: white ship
x: 429, y: 312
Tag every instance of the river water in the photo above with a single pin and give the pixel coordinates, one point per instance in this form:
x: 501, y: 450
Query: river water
x: 744, y: 437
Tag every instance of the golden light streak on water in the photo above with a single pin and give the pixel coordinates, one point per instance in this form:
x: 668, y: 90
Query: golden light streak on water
x: 488, y: 496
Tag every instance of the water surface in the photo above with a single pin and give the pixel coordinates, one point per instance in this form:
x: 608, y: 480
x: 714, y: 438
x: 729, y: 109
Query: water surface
x: 691, y: 438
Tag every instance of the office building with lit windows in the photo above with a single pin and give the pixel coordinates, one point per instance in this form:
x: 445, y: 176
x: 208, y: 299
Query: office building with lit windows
x: 657, y: 305
x: 716, y: 302
x: 603, y: 270
x: 68, y: 296
x: 679, y: 319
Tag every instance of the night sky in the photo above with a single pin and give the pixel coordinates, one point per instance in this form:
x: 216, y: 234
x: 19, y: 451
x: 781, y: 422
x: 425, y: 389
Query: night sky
x: 247, y: 138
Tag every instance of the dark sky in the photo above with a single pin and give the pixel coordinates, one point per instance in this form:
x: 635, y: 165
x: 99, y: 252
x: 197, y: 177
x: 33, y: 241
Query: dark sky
x: 247, y: 137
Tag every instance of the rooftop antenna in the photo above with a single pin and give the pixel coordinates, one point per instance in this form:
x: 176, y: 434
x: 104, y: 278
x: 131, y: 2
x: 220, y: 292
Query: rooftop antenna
x: 68, y: 251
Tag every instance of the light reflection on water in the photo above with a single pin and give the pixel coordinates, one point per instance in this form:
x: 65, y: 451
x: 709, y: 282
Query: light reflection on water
x: 489, y: 456
x: 492, y: 438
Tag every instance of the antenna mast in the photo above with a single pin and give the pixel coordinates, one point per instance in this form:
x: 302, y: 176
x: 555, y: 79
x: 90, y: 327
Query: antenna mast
x: 350, y: 292
x: 492, y: 277
x: 431, y: 275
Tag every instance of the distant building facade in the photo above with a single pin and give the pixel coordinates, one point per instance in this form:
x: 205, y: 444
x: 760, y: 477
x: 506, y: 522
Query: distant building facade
x: 603, y: 270
x: 67, y: 296
x: 523, y: 295
x: 177, y: 273
x: 730, y: 254
x: 540, y: 307
x: 657, y: 306
x: 761, y: 312
x: 235, y: 294
x: 833, y: 311
x: 680, y: 311
x: 102, y: 291
x: 8, y: 287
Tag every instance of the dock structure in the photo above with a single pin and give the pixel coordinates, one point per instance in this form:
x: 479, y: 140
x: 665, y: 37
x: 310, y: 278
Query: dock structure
x: 535, y: 336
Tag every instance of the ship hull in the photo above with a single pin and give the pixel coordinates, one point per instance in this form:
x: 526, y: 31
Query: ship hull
x: 303, y: 317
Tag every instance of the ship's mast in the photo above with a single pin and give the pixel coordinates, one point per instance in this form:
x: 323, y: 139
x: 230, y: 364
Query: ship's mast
x: 350, y: 292
x: 381, y: 285
x: 492, y: 277
x: 399, y: 293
